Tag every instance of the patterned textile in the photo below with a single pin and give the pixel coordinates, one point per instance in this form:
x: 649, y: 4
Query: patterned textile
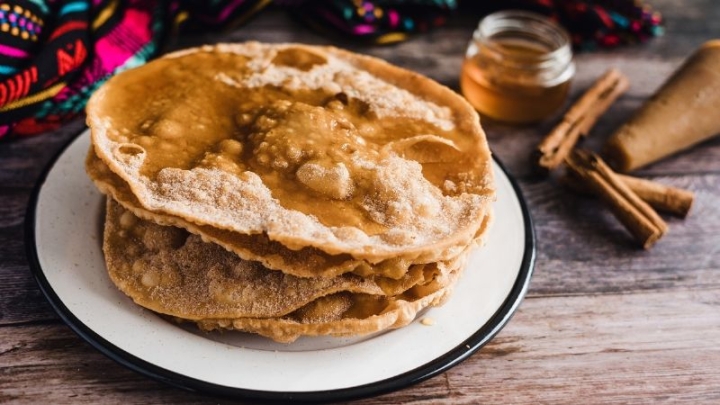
x: 592, y: 23
x: 54, y: 53
x: 381, y: 22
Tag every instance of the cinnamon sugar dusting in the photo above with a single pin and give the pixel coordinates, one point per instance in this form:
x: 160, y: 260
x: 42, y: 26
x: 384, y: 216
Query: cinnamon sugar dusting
x: 287, y: 190
x: 305, y: 154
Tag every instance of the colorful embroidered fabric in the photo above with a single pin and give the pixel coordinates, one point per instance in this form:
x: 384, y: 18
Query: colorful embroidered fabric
x: 55, y: 53
x: 381, y: 22
x: 591, y: 23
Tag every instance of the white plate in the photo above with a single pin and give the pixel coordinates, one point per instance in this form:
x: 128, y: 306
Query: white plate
x: 64, y: 234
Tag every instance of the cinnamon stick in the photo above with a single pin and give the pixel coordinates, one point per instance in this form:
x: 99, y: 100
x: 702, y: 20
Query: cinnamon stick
x: 636, y: 215
x: 671, y: 200
x: 580, y: 118
x: 664, y: 198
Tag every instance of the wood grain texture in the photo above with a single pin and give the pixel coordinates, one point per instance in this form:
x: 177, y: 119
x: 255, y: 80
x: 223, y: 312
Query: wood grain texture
x: 604, y: 322
x: 22, y: 161
x: 585, y: 349
x: 556, y: 350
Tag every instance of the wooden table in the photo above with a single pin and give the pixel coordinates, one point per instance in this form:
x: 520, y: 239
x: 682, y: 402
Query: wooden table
x: 604, y: 322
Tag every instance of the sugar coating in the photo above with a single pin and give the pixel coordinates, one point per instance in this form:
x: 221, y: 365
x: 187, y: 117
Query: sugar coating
x: 420, y: 219
x: 171, y: 272
x: 337, y: 76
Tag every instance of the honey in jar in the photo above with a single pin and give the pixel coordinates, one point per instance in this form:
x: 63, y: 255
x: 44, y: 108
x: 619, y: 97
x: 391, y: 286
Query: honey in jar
x: 517, y: 68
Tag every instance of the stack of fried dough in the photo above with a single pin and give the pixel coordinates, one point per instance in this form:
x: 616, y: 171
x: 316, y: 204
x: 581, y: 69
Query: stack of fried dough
x: 286, y: 189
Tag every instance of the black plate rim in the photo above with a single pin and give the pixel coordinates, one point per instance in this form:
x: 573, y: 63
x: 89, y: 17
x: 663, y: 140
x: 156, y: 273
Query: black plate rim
x: 428, y: 370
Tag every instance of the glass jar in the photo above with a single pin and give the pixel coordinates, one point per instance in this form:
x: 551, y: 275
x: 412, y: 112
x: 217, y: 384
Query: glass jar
x: 518, y: 67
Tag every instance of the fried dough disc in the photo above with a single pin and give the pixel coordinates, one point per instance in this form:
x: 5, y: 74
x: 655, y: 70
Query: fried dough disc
x: 336, y: 315
x: 172, y: 272
x: 309, y: 146
x: 306, y: 262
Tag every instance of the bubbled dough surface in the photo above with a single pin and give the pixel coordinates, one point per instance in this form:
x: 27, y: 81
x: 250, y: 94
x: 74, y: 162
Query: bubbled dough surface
x: 351, y: 192
x: 305, y: 262
x: 172, y: 272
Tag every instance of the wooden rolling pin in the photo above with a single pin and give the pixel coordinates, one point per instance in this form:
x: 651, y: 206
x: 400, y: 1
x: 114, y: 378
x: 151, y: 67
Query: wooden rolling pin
x: 682, y: 113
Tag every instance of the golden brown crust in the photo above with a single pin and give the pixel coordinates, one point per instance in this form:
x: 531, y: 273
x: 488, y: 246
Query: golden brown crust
x: 463, y: 211
x: 465, y: 116
x: 287, y: 190
x: 397, y: 314
x: 171, y: 272
x: 305, y: 262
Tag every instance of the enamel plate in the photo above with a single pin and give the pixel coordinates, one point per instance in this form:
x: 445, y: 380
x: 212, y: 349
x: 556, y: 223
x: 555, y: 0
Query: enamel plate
x: 64, y: 237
